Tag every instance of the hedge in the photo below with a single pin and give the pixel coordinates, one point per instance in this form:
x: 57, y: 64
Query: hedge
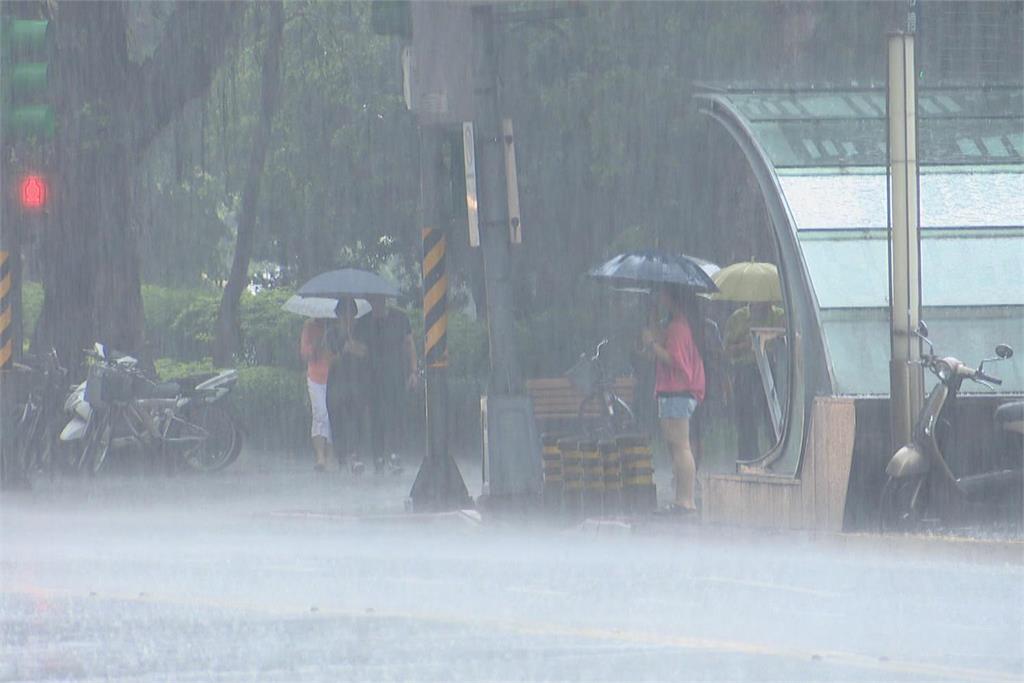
x: 270, y: 403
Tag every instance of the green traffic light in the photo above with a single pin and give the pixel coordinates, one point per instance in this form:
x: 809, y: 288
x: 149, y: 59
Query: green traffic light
x: 30, y: 120
x: 28, y: 78
x: 25, y: 35
x: 26, y: 111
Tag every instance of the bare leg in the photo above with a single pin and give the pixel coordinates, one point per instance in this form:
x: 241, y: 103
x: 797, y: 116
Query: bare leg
x: 677, y: 435
x: 320, y: 449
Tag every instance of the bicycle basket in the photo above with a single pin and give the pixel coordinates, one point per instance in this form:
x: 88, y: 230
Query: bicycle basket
x: 104, y: 385
x: 583, y: 375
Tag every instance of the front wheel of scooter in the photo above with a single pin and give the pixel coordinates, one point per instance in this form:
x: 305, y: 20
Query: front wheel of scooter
x: 902, y: 504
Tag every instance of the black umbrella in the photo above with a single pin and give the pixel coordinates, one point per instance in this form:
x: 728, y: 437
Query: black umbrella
x: 348, y: 282
x: 639, y: 268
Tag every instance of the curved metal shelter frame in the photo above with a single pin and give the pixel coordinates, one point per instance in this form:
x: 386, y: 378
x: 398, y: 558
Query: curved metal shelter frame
x: 803, y: 145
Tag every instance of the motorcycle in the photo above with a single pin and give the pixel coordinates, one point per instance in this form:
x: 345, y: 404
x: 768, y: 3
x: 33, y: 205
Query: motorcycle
x: 118, y: 407
x: 911, y: 469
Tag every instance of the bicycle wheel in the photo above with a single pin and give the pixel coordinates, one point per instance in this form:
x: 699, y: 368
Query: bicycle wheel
x: 219, y: 440
x: 26, y: 441
x: 621, y: 417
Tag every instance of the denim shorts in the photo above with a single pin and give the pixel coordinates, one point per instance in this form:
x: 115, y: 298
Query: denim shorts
x: 676, y: 407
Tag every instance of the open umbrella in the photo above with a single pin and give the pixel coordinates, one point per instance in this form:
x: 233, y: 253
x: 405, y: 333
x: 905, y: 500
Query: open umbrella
x: 749, y: 281
x: 319, y: 307
x: 335, y: 284
x: 639, y: 270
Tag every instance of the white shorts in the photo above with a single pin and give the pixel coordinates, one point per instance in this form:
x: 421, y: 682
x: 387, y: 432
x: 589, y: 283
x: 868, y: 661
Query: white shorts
x: 318, y: 401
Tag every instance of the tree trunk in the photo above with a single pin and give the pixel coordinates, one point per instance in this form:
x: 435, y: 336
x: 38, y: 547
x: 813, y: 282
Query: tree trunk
x: 108, y: 112
x: 90, y: 261
x: 229, y: 333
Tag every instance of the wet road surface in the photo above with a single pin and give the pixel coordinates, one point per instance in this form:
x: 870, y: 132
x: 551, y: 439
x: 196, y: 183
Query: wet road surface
x: 227, y: 578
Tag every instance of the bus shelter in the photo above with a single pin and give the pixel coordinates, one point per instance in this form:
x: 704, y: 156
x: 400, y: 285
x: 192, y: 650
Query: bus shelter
x: 813, y: 166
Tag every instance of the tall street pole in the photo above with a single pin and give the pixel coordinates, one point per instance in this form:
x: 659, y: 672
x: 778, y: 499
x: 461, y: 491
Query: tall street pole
x: 439, y: 484
x: 506, y: 374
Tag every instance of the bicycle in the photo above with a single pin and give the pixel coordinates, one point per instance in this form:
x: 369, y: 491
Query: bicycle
x: 614, y: 416
x: 38, y: 426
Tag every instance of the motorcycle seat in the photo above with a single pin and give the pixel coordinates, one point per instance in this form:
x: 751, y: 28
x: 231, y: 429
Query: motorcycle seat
x: 1010, y: 416
x: 165, y: 390
x: 187, y: 385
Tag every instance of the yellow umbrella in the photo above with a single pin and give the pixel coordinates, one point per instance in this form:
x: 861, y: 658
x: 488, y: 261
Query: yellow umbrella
x: 749, y: 281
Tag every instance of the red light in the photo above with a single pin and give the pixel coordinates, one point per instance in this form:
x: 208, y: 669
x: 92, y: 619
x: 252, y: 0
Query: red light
x: 33, y: 192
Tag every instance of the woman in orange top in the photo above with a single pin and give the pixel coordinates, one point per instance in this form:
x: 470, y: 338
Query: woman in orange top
x: 315, y: 351
x: 679, y: 387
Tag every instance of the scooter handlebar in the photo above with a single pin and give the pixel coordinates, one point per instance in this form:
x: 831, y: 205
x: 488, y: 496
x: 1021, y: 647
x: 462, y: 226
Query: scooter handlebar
x: 987, y: 378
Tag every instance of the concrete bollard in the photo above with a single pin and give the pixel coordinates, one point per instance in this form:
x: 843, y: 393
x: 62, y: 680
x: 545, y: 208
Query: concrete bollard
x: 552, y: 491
x: 612, y: 477
x: 638, y: 490
x: 593, y: 479
x: 572, y: 478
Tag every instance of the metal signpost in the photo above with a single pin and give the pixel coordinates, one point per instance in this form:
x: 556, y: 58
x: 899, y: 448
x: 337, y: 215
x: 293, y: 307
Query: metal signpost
x: 906, y: 375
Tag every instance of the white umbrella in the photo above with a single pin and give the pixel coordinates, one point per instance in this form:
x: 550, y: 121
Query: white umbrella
x: 321, y: 307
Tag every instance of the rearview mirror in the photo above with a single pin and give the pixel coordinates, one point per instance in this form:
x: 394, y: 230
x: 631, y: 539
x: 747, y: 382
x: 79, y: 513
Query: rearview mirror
x: 922, y: 328
x: 1004, y: 351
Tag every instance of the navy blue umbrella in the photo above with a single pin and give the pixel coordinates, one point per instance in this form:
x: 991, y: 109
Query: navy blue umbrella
x: 639, y: 269
x: 348, y: 282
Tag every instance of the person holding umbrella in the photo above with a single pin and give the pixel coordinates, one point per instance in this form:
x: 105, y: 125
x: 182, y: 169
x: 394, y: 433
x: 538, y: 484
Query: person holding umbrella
x: 315, y: 351
x: 679, y: 386
x: 757, y: 286
x: 679, y: 383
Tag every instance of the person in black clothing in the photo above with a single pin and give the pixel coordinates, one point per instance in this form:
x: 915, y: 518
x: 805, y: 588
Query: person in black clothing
x: 346, y: 387
x: 393, y: 374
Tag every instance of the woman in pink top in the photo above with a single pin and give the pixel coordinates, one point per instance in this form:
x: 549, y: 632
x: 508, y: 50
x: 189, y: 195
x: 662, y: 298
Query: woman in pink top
x: 679, y: 386
x: 315, y: 351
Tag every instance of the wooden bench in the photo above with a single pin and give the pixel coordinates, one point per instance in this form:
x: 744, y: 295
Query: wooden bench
x: 556, y: 402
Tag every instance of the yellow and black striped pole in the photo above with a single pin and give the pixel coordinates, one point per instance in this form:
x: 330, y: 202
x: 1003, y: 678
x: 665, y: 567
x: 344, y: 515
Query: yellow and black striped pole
x: 439, y: 484
x: 435, y: 299
x: 6, y: 311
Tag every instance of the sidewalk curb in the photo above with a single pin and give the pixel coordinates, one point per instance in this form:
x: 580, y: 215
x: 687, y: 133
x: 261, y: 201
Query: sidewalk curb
x: 469, y: 519
x: 922, y: 547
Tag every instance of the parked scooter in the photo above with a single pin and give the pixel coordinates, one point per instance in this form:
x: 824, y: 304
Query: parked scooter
x: 118, y: 407
x: 911, y: 469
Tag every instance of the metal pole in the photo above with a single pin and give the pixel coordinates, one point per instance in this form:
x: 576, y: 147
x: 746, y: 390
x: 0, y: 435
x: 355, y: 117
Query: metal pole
x: 439, y: 484
x: 906, y: 376
x: 10, y: 339
x: 506, y: 375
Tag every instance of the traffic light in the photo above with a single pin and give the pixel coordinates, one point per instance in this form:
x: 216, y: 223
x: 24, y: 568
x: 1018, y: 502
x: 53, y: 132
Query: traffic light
x: 27, y: 112
x: 33, y: 191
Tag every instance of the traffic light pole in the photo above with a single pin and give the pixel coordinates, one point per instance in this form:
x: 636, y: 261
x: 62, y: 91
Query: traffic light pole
x: 439, y: 484
x: 10, y: 335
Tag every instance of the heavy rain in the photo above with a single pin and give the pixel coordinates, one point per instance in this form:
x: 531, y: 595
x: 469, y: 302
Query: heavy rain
x: 511, y: 341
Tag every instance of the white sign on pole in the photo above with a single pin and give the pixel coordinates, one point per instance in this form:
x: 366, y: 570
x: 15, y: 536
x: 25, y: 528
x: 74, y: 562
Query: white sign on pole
x: 515, y: 226
x: 472, y: 208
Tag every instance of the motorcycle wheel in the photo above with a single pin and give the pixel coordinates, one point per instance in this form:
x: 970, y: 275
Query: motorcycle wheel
x: 223, y: 443
x: 103, y: 441
x: 902, y: 504
x: 89, y: 443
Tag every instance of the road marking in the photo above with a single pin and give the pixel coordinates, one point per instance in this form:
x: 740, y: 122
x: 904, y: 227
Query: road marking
x: 769, y: 585
x: 546, y: 629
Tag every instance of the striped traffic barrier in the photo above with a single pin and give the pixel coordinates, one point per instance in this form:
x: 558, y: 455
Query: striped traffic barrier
x: 552, y: 456
x: 639, y: 494
x: 435, y: 299
x: 6, y: 312
x: 593, y: 478
x: 572, y: 477
x: 612, y: 477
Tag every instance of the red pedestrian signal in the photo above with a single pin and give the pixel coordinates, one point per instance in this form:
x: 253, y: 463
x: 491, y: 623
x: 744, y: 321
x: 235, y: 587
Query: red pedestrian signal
x: 33, y: 192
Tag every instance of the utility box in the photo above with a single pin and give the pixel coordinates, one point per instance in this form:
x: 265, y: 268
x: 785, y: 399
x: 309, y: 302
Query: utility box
x: 438, y: 70
x: 512, y: 448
